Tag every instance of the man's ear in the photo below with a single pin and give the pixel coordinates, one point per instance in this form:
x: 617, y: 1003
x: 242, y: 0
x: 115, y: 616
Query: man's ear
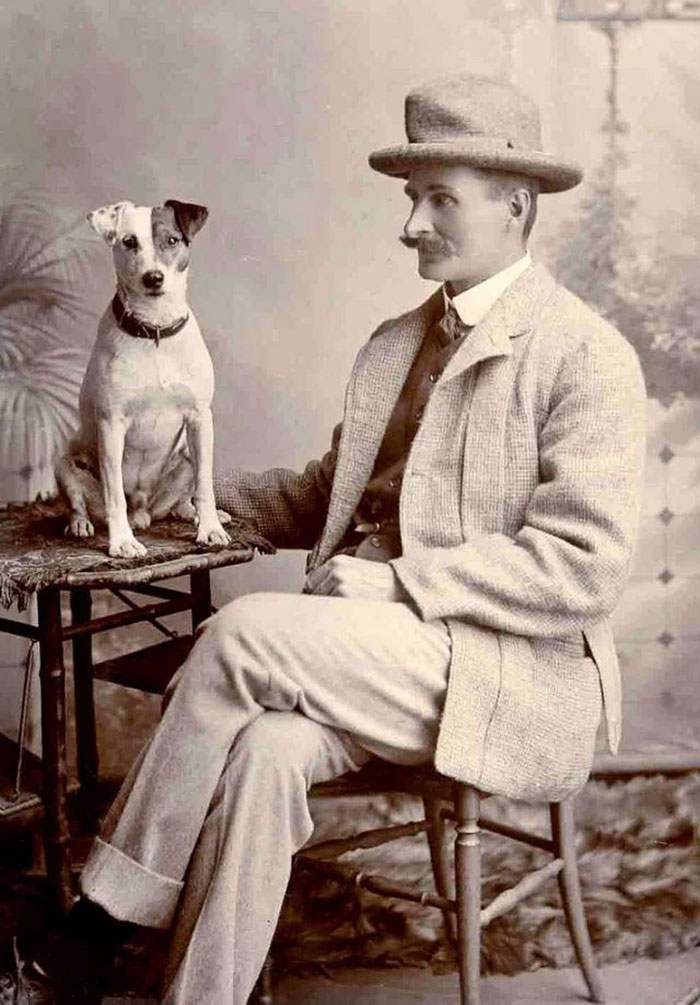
x: 189, y: 217
x: 105, y: 220
x: 519, y: 202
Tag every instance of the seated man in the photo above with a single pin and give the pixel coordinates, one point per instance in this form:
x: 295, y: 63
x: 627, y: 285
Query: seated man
x: 470, y: 532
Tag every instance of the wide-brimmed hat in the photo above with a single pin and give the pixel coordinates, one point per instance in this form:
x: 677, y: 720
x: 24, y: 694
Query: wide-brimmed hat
x: 478, y: 121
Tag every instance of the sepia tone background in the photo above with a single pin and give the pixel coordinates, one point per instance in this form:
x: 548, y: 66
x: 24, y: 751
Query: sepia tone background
x: 266, y: 112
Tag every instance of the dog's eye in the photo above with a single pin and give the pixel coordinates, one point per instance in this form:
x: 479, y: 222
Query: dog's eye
x: 130, y: 242
x: 173, y: 240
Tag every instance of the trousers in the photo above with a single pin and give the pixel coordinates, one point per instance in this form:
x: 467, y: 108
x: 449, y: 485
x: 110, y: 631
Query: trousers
x: 279, y: 692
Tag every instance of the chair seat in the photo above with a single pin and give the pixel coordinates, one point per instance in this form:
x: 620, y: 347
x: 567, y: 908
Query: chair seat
x: 381, y: 776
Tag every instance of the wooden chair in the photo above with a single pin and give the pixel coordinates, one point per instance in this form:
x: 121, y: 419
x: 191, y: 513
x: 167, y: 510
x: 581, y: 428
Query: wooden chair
x: 444, y: 799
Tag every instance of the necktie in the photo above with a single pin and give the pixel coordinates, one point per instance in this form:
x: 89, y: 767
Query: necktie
x: 452, y: 324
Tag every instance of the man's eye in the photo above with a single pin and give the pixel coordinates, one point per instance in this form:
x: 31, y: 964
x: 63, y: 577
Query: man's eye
x: 173, y: 240
x: 130, y: 242
x: 442, y: 200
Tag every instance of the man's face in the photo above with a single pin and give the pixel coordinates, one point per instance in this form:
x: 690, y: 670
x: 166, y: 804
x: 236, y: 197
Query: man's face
x: 460, y: 230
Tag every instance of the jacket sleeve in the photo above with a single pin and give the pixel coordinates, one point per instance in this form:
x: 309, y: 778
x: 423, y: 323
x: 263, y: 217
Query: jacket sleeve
x: 287, y: 507
x: 566, y: 566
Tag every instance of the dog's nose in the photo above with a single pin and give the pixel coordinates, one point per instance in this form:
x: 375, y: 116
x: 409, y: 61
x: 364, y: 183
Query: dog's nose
x: 153, y: 279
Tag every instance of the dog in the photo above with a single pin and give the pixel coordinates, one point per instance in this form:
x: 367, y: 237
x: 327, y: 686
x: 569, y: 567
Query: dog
x: 144, y: 447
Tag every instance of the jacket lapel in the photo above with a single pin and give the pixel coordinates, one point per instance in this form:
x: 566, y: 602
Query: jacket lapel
x: 512, y: 315
x: 497, y: 341
x: 374, y: 388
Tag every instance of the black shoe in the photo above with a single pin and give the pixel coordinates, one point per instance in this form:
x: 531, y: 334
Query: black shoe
x: 75, y: 961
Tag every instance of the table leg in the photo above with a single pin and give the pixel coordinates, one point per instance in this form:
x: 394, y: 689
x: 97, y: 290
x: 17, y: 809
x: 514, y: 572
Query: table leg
x: 53, y: 747
x: 200, y: 588
x: 86, y: 734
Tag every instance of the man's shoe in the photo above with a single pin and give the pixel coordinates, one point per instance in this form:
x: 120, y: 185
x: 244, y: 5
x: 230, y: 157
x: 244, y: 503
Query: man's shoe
x: 75, y: 962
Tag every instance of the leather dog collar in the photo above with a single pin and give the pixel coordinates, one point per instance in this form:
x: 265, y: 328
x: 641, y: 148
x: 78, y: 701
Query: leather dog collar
x: 132, y: 325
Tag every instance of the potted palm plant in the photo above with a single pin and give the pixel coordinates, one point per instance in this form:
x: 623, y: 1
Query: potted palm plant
x: 47, y: 321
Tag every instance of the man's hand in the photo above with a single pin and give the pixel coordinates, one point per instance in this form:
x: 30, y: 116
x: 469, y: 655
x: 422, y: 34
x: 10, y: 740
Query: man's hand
x: 344, y: 576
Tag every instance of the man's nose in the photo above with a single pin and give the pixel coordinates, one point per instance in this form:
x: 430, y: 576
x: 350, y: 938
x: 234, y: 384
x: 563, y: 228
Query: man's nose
x: 419, y: 221
x: 153, y: 279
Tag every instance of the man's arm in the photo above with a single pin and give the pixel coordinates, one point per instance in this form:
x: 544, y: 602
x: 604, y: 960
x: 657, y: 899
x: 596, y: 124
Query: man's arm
x: 567, y: 566
x: 288, y: 507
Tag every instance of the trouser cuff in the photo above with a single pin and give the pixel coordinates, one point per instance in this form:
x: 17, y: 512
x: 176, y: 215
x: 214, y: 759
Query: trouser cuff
x: 127, y: 890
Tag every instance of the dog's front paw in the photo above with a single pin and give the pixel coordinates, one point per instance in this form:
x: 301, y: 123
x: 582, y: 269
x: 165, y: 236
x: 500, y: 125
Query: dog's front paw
x: 79, y: 526
x: 126, y: 547
x: 223, y: 516
x: 212, y: 533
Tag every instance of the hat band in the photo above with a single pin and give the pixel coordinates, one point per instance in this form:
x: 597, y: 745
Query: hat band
x: 494, y: 142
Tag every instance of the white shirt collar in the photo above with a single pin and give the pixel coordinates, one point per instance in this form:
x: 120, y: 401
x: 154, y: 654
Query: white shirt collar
x: 474, y: 304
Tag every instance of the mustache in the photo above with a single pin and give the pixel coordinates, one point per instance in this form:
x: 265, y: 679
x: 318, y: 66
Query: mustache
x: 429, y: 244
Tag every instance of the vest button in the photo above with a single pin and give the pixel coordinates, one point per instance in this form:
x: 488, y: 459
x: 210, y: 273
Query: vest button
x: 375, y: 541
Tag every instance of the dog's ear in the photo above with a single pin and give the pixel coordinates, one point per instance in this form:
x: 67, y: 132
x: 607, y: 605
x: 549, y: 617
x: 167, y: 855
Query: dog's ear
x: 189, y: 217
x: 105, y: 220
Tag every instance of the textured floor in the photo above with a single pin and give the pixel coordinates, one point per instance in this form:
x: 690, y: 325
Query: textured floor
x: 644, y: 982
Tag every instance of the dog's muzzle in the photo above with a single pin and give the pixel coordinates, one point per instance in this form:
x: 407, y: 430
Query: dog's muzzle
x: 153, y: 280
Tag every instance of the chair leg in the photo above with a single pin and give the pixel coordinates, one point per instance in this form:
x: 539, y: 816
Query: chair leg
x: 564, y: 837
x: 468, y: 884
x: 439, y: 859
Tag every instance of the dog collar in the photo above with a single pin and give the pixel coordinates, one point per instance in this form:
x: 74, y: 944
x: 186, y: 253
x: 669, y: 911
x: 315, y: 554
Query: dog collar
x: 132, y: 325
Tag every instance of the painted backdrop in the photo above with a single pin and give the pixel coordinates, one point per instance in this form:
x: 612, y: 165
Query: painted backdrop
x: 266, y: 112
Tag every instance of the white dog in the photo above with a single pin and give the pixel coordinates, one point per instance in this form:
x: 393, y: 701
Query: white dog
x: 144, y: 449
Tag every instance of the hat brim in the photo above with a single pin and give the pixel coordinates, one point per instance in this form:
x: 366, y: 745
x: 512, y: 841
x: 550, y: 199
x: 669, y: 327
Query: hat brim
x: 553, y: 173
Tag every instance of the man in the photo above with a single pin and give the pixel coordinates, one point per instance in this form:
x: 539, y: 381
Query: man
x: 470, y: 532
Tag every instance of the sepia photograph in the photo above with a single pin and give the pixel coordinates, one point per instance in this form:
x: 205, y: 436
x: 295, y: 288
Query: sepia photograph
x: 350, y: 502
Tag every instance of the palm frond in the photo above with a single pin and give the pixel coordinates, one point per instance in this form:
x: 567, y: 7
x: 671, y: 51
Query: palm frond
x: 47, y: 290
x: 48, y: 309
x: 40, y: 241
x: 27, y: 329
x: 47, y: 256
x: 38, y: 414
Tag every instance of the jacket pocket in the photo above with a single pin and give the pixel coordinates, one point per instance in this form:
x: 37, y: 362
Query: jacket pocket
x: 541, y: 738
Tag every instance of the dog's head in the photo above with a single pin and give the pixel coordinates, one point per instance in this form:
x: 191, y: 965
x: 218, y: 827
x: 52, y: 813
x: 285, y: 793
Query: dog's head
x: 150, y: 244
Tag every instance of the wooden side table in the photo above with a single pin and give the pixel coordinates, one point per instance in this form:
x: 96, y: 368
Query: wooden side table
x: 147, y: 669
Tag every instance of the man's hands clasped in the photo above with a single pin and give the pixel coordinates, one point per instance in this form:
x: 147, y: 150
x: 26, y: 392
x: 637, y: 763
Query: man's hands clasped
x: 355, y: 578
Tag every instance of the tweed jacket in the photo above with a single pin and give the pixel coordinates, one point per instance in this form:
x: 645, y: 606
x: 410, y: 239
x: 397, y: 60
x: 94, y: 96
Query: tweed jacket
x: 518, y: 511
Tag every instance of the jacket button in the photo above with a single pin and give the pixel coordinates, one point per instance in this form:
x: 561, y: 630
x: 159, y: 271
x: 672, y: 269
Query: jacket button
x: 434, y: 378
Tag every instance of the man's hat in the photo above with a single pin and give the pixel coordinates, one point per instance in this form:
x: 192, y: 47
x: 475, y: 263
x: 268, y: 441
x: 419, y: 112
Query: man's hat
x: 478, y: 121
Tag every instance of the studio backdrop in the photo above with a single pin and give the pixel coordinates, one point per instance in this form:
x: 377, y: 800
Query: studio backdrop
x: 265, y: 112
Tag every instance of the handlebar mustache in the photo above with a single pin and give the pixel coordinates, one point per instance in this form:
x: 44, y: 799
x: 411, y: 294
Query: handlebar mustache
x: 426, y: 243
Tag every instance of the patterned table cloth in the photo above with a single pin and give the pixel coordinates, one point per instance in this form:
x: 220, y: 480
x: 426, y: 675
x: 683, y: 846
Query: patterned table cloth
x: 34, y: 552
